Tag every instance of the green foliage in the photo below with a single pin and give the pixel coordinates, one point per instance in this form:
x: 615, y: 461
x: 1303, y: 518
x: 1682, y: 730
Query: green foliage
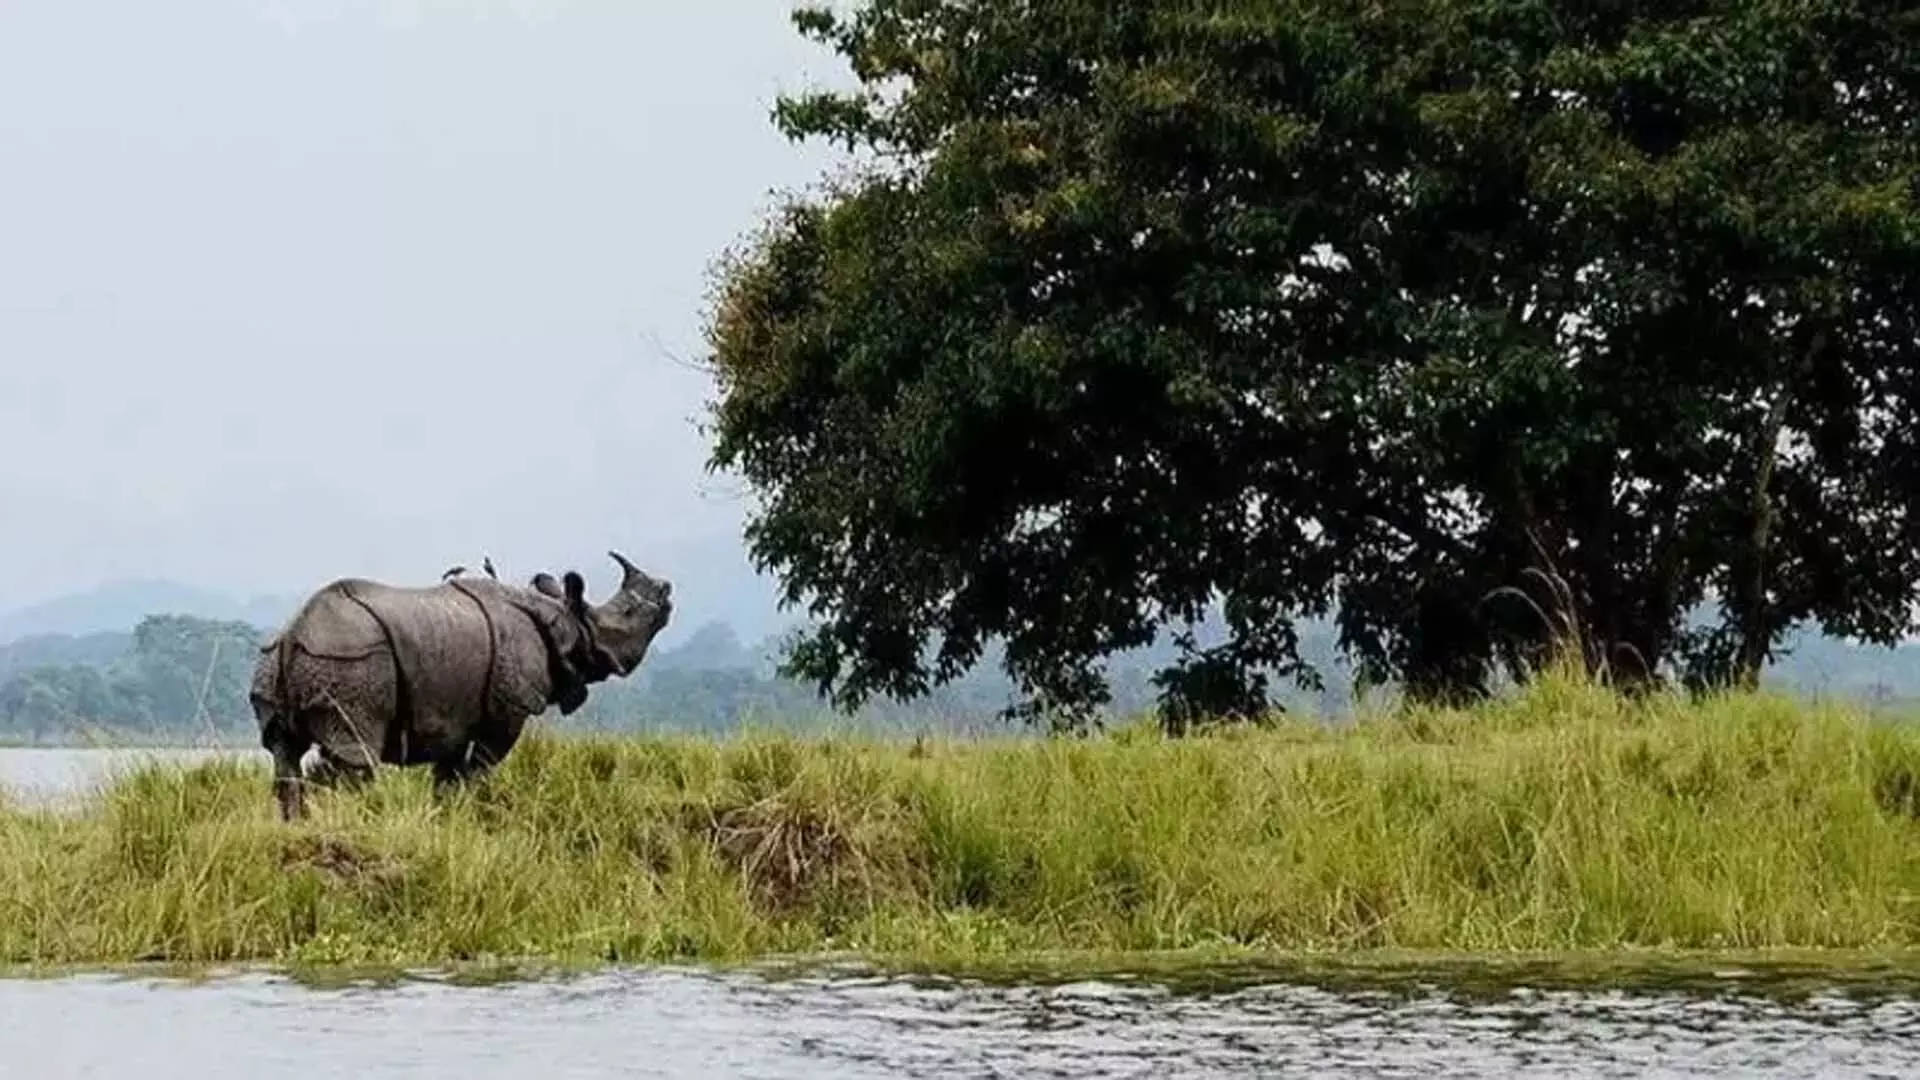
x: 1566, y: 818
x: 62, y: 650
x: 1146, y: 307
x: 181, y: 675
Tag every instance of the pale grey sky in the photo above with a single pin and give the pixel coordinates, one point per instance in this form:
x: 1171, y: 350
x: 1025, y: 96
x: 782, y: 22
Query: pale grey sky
x: 292, y: 290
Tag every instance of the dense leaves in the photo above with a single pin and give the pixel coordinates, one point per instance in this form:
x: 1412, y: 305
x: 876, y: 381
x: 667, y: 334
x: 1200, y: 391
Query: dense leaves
x: 1299, y: 306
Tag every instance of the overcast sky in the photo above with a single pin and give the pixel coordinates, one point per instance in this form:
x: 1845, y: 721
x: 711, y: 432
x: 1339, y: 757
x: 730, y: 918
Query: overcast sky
x: 294, y: 290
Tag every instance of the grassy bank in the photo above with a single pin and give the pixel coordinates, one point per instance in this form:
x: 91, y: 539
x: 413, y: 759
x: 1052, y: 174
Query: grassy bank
x: 1562, y: 821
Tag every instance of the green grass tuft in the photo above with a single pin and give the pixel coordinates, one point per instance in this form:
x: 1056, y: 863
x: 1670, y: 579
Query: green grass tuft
x: 1565, y: 819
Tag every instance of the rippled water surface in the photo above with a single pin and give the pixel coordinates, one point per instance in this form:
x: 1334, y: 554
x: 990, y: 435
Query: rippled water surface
x: 707, y: 1024
x: 677, y: 1023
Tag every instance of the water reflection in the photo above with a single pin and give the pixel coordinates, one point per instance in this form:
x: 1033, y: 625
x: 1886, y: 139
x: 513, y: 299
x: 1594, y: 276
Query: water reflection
x: 689, y: 1023
x: 55, y: 777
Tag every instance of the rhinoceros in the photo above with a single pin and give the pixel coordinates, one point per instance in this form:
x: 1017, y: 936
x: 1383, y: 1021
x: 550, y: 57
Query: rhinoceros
x: 445, y: 675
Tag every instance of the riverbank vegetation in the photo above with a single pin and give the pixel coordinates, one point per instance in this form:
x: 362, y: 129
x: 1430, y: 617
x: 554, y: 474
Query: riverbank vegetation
x: 1564, y: 818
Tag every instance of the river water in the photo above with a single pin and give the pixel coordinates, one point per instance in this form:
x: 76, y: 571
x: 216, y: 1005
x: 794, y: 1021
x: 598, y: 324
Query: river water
x: 38, y: 776
x: 845, y: 1023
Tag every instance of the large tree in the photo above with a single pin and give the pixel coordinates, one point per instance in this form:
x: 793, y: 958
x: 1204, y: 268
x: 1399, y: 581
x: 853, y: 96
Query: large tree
x: 1294, y: 305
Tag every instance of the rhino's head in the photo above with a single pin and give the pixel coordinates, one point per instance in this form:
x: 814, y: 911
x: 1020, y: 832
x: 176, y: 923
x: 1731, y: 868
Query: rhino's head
x: 624, y: 625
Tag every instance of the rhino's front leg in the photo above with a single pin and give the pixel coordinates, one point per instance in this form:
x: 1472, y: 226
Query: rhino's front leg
x: 487, y: 749
x: 449, y: 771
x: 458, y: 767
x: 492, y: 743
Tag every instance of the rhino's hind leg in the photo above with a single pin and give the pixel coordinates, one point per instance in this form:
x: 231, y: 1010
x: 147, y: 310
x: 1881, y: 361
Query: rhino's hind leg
x: 289, y: 784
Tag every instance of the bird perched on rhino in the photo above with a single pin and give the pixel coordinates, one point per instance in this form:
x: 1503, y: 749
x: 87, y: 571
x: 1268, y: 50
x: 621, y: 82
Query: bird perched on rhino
x: 444, y: 675
x: 460, y: 570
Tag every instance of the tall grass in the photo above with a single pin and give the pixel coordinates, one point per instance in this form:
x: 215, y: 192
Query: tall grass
x: 1563, y: 819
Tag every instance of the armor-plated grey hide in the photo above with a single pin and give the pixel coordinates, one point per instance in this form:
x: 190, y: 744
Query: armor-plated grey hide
x: 445, y: 675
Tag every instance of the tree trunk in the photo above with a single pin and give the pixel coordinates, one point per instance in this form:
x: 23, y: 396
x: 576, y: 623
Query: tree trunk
x: 1756, y: 631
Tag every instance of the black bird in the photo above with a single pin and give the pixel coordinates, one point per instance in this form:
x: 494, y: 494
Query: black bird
x: 453, y: 572
x: 486, y: 563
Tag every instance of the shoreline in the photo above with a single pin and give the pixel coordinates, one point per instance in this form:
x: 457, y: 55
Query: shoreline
x: 1790, y: 972
x: 1564, y: 822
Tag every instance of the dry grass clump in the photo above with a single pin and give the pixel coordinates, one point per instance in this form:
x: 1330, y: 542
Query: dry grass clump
x: 1564, y: 819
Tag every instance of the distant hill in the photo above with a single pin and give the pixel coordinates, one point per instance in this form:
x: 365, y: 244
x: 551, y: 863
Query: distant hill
x: 119, y: 606
x: 1833, y: 667
x: 708, y: 588
x: 714, y: 581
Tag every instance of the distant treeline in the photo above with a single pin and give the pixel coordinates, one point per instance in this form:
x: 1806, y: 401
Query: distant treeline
x: 180, y: 678
x: 177, y: 677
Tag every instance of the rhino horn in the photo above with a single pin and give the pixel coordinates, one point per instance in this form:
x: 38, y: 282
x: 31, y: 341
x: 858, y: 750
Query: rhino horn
x: 632, y: 575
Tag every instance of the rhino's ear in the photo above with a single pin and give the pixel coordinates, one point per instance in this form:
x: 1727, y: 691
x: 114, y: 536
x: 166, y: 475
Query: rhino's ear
x: 544, y: 584
x: 576, y: 587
